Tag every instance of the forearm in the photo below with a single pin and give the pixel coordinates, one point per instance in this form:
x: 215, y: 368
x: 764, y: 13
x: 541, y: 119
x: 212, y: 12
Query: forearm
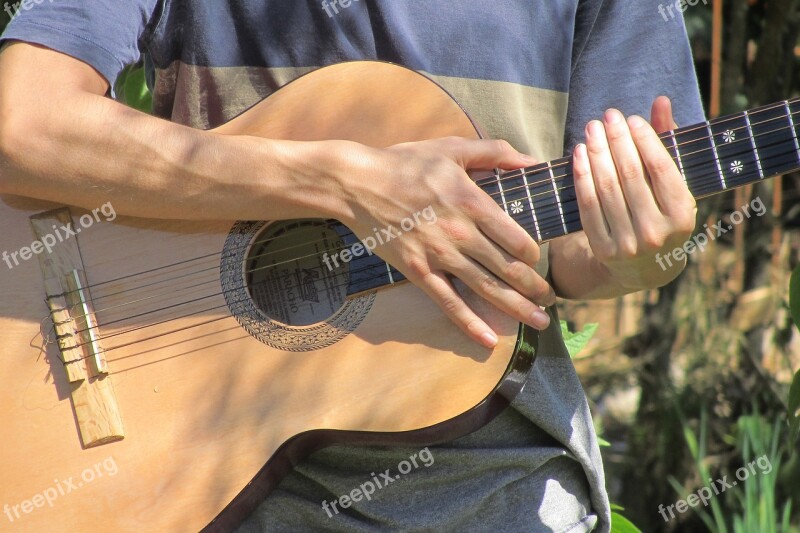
x: 576, y: 274
x: 84, y: 149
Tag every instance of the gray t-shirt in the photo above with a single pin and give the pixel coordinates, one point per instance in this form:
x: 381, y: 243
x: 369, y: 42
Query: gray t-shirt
x: 533, y: 72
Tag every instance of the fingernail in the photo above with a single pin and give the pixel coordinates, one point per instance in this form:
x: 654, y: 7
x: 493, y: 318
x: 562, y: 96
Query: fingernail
x: 636, y: 122
x: 540, y: 319
x: 612, y: 116
x: 595, y: 129
x: 489, y: 339
x: 580, y: 150
x: 528, y: 159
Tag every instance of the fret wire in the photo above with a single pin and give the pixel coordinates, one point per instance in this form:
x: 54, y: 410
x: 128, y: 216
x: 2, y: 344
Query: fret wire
x: 558, y: 219
x: 558, y: 200
x: 500, y: 188
x: 794, y: 130
x: 672, y: 134
x: 530, y: 202
x: 705, y: 178
x: 389, y: 270
x: 716, y: 155
x: 723, y: 120
x: 752, y: 138
x: 561, y: 163
x: 678, y: 154
x: 513, y: 174
x: 728, y: 119
x: 753, y: 142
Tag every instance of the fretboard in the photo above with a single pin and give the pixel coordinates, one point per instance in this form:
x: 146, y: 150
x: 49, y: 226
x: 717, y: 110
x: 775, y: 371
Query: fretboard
x: 713, y: 157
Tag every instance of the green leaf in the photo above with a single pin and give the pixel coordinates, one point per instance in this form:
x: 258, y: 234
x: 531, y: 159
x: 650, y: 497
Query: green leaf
x: 794, y: 296
x: 577, y: 341
x: 603, y: 443
x: 794, y: 411
x: 137, y: 95
x: 620, y: 524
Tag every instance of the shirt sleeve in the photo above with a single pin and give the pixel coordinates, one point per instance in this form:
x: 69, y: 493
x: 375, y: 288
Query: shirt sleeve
x: 625, y: 54
x: 106, y: 34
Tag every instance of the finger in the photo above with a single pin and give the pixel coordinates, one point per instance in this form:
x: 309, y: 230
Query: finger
x: 661, y: 115
x: 592, y: 219
x: 504, y: 231
x: 606, y: 182
x: 517, y: 274
x: 499, y: 294
x: 441, y: 290
x: 487, y: 155
x: 630, y: 170
x: 669, y: 188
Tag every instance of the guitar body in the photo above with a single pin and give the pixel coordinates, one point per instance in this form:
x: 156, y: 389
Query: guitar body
x: 205, y: 392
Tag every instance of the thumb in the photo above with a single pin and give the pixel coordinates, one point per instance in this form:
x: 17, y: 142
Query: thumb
x: 488, y: 155
x: 661, y: 115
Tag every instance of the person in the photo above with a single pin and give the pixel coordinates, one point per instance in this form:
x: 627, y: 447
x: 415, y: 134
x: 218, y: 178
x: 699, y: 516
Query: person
x: 534, y: 74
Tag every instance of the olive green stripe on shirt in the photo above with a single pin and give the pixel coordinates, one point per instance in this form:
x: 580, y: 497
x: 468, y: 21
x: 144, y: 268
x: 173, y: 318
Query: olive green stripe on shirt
x: 531, y: 119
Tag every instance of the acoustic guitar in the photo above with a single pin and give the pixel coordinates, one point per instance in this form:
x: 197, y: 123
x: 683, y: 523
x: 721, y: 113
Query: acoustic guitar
x: 164, y: 375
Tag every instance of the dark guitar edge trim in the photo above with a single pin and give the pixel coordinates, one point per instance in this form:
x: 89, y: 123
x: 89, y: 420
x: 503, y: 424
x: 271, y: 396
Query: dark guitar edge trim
x: 294, y: 450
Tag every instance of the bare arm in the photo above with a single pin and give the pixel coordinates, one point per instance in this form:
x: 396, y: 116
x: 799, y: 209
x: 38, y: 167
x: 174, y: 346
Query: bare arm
x: 62, y: 140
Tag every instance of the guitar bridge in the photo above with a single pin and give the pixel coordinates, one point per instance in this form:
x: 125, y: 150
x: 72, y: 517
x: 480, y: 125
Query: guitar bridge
x: 76, y: 328
x: 79, y: 332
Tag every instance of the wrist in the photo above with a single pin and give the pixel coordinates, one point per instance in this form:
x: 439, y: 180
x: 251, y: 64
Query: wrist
x: 327, y: 177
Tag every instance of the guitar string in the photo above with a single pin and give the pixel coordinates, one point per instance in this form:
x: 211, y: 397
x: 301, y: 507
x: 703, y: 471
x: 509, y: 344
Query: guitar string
x: 116, y: 347
x: 702, y: 126
x: 153, y: 337
x: 503, y: 177
x: 381, y: 265
x: 250, y: 270
x: 667, y: 134
x: 506, y: 176
x: 557, y: 223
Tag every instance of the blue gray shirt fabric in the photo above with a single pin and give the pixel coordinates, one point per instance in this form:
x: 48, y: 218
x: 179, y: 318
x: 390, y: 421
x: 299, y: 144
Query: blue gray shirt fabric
x: 533, y: 72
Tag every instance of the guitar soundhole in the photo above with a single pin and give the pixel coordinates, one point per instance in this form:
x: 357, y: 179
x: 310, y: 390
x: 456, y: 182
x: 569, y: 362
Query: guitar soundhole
x: 279, y: 288
x: 287, y: 278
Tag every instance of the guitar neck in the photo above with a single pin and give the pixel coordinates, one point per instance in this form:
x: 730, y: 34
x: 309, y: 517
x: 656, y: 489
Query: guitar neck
x: 713, y: 157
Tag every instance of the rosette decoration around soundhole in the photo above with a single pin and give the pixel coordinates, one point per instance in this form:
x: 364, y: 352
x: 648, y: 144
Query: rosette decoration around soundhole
x: 278, y: 286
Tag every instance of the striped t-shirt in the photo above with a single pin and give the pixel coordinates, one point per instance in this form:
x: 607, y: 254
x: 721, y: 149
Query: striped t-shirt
x: 530, y: 71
